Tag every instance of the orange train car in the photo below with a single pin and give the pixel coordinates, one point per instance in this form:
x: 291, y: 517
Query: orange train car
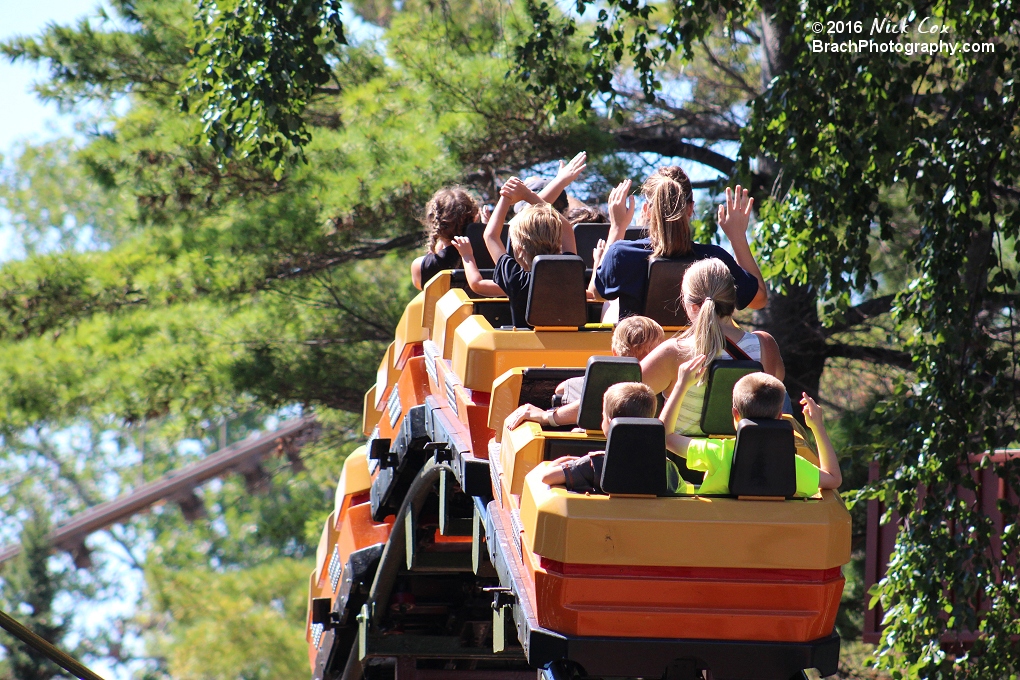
x: 447, y: 554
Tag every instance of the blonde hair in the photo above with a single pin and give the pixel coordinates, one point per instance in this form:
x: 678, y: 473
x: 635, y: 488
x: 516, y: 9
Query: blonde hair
x: 636, y: 335
x: 629, y: 400
x: 447, y: 213
x: 759, y: 395
x: 709, y: 283
x: 668, y: 193
x: 536, y: 231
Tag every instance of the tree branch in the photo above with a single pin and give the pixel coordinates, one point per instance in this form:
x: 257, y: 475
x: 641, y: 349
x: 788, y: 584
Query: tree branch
x: 877, y: 355
x: 861, y: 313
x: 667, y: 140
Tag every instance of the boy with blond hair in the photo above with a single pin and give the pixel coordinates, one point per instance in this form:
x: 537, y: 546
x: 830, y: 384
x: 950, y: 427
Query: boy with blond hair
x: 758, y: 396
x: 538, y: 229
x: 635, y: 336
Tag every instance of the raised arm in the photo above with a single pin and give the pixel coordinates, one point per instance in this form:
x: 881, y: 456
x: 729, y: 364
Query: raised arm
x: 486, y: 287
x: 829, y: 474
x: 733, y: 217
x: 494, y: 226
x: 564, y: 178
x: 621, y: 211
x: 658, y: 369
x: 687, y: 374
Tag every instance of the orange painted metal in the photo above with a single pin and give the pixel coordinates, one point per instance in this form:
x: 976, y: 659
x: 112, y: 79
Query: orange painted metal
x: 412, y: 387
x: 772, y: 607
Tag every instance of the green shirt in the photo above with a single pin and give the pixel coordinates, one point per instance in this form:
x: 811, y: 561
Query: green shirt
x: 714, y: 457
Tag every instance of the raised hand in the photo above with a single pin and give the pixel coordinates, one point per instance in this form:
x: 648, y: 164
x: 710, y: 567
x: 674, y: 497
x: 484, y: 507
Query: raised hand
x: 735, y: 212
x: 622, y: 204
x: 572, y: 170
x: 514, y: 190
x: 813, y: 415
x: 598, y: 251
x: 463, y: 246
x: 690, y: 372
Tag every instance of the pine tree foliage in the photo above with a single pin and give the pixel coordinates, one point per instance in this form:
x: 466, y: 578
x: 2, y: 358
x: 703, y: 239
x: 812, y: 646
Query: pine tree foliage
x: 27, y: 593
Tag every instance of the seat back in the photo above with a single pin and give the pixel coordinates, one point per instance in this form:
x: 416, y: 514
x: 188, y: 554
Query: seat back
x: 635, y: 457
x: 474, y: 233
x: 763, y: 459
x: 662, y: 292
x: 717, y: 409
x: 587, y: 235
x: 635, y: 233
x: 539, y: 384
x: 557, y: 297
x: 600, y: 375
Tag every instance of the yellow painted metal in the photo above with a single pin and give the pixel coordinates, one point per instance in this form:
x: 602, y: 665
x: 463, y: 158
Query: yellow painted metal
x: 354, y: 477
x: 385, y: 377
x: 326, y: 541
x: 684, y: 532
x: 481, y: 354
x: 369, y: 413
x: 524, y: 448
x: 434, y: 288
x: 506, y: 394
x: 409, y: 329
x: 450, y: 312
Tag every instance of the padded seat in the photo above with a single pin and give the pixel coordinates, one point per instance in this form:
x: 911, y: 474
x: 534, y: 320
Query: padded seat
x: 474, y: 233
x: 586, y: 236
x: 635, y: 458
x: 601, y: 374
x: 717, y: 410
x: 763, y: 459
x: 557, y: 297
x: 662, y: 292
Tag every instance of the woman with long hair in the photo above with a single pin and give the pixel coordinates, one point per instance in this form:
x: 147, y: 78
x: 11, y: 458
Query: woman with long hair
x: 667, y: 211
x: 710, y: 298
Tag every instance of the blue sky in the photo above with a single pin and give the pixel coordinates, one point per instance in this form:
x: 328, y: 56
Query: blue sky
x: 22, y: 115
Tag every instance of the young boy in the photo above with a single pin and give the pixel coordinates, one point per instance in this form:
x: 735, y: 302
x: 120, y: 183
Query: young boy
x: 757, y: 395
x: 584, y: 474
x: 538, y: 229
x: 635, y: 336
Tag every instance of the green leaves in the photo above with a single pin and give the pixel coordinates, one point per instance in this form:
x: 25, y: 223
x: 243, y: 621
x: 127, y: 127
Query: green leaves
x: 255, y: 68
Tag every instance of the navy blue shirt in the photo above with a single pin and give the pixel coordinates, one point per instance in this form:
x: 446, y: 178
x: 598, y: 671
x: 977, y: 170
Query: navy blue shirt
x: 623, y: 274
x: 515, y: 282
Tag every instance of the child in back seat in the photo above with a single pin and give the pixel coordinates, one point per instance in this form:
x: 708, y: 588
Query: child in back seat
x: 584, y: 474
x: 635, y: 336
x: 759, y: 396
x: 447, y: 214
x: 538, y: 230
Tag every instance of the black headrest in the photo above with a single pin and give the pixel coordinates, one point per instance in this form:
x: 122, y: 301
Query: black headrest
x: 474, y: 233
x: 763, y: 459
x: 600, y: 375
x: 558, y: 292
x: 717, y: 410
x: 662, y: 294
x: 587, y: 235
x: 635, y: 233
x: 635, y: 457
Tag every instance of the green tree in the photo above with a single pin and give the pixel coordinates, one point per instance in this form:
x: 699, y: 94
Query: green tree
x: 28, y: 592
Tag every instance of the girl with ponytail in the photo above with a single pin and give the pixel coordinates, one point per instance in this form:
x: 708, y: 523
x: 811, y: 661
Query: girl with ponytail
x: 710, y: 298
x: 667, y: 211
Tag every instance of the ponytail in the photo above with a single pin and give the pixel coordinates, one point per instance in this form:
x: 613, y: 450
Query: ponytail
x: 710, y: 284
x: 669, y: 198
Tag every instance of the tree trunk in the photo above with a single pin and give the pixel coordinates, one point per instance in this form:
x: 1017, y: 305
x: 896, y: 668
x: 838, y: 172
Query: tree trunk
x: 792, y: 319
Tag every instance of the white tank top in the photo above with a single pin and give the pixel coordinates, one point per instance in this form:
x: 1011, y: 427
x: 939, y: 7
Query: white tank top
x: 688, y: 422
